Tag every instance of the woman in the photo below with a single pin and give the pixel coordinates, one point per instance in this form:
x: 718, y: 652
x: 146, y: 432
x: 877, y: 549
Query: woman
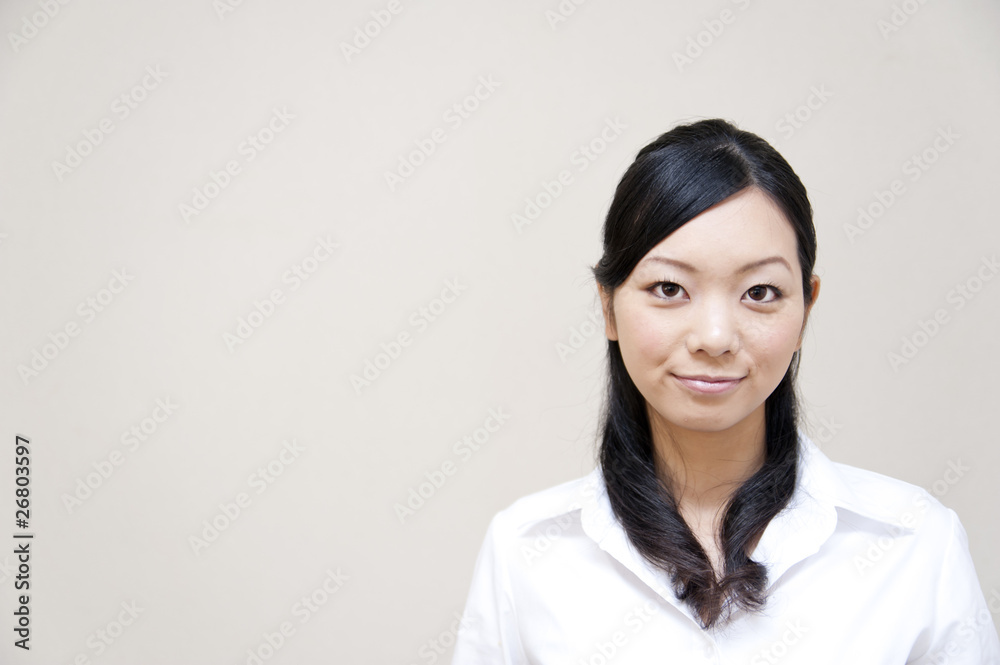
x: 713, y: 530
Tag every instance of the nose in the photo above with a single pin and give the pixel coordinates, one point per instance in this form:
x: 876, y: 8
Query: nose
x: 714, y: 329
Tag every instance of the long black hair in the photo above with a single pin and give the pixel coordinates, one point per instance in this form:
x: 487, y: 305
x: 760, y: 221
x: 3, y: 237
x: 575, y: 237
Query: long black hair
x: 672, y: 180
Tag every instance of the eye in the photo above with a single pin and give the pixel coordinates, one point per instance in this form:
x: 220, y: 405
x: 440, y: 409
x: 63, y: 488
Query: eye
x: 763, y: 293
x: 667, y: 290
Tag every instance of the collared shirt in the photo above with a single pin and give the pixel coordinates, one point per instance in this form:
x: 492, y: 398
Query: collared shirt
x: 862, y: 569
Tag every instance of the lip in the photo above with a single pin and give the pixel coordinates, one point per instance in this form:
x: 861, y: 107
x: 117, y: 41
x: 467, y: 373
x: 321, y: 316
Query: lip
x: 709, y: 385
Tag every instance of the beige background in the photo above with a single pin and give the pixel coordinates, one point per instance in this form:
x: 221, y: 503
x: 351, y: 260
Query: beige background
x: 878, y: 98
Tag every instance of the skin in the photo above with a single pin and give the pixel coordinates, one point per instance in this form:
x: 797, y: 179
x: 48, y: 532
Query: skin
x: 721, y: 297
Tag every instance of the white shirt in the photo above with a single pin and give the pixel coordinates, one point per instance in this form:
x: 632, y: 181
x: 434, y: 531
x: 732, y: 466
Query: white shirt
x: 862, y: 569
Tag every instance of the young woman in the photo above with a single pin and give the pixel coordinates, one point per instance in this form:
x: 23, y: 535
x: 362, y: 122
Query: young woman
x: 713, y: 530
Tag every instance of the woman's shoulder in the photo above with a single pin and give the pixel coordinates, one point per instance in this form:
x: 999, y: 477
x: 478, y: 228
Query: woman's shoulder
x: 552, y: 503
x: 872, y: 494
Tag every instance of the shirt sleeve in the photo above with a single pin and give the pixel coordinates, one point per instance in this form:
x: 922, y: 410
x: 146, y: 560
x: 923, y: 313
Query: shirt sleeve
x: 488, y: 634
x: 963, y: 632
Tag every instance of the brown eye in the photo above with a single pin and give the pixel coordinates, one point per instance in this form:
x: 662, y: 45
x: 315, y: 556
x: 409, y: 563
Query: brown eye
x: 763, y: 293
x: 670, y: 290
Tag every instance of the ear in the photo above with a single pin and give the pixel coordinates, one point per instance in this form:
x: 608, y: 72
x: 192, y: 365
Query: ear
x: 607, y: 306
x: 814, y: 285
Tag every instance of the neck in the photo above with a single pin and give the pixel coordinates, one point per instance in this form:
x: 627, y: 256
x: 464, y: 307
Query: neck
x: 704, y: 469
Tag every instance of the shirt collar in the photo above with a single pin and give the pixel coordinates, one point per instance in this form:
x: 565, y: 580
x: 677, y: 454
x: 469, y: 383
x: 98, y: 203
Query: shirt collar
x: 795, y: 533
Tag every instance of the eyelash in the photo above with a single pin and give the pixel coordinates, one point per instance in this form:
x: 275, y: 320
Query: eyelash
x: 656, y: 288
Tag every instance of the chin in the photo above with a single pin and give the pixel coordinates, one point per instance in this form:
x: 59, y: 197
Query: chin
x: 708, y: 423
x: 707, y: 418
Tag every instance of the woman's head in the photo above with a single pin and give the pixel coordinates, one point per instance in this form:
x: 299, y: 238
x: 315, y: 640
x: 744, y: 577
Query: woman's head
x: 706, y: 281
x: 709, y: 248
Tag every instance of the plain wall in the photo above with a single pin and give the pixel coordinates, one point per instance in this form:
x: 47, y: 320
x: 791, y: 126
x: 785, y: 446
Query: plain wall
x: 848, y: 101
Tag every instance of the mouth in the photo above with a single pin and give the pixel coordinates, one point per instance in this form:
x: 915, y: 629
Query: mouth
x: 709, y: 385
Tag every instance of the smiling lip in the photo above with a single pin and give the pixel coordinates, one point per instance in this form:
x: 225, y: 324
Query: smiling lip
x: 709, y: 385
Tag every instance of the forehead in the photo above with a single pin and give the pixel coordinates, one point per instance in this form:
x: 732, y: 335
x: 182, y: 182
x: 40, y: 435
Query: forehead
x: 746, y: 227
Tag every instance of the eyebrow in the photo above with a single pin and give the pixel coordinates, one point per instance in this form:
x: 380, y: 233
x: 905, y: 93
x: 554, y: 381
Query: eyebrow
x: 747, y: 268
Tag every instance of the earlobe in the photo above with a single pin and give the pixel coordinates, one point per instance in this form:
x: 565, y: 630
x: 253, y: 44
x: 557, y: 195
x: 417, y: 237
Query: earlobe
x: 814, y: 283
x: 607, y: 306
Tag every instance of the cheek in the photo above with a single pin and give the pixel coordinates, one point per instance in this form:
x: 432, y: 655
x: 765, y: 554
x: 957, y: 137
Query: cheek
x: 645, y: 340
x: 772, y: 346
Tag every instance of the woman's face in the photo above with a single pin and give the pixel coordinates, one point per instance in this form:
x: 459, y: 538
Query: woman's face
x: 709, y: 319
